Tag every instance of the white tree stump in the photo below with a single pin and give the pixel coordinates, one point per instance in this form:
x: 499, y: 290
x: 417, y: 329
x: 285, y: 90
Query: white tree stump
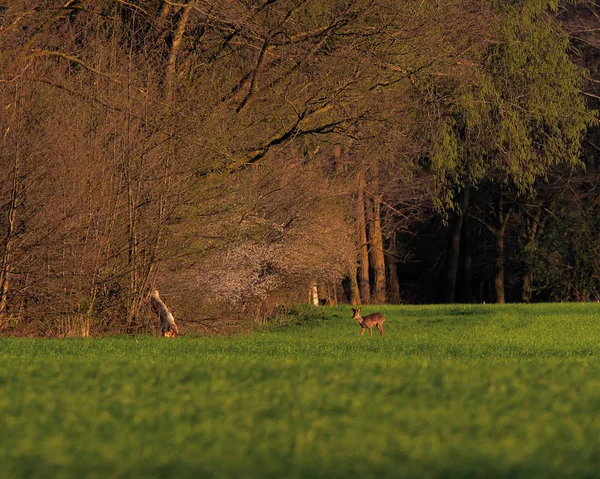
x: 168, y: 328
x: 314, y: 294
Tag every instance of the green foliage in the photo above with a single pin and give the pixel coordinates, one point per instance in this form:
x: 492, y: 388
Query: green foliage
x: 522, y: 113
x: 454, y: 391
x: 542, y: 114
x: 566, y: 264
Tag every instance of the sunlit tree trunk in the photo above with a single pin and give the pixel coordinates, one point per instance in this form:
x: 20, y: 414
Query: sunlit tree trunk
x: 377, y: 255
x: 313, y: 294
x: 354, y: 291
x: 363, y: 246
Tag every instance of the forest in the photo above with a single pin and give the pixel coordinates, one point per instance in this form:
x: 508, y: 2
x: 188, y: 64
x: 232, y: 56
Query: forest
x: 243, y: 155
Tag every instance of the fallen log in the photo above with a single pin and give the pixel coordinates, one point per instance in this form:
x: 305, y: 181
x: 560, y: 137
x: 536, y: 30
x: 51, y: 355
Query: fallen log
x: 168, y: 328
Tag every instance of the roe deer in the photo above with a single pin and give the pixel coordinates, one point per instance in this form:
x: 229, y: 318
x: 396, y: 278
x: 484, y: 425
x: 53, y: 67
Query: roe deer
x: 375, y: 319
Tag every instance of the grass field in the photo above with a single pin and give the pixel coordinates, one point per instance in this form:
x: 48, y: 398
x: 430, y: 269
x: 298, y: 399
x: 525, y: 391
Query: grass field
x: 449, y: 391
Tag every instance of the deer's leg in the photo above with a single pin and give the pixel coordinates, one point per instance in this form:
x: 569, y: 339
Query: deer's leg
x: 371, y: 331
x: 380, y: 327
x: 362, y: 331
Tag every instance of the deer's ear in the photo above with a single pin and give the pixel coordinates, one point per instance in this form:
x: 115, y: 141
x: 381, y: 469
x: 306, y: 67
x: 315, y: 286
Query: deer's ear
x: 353, y: 310
x: 358, y: 310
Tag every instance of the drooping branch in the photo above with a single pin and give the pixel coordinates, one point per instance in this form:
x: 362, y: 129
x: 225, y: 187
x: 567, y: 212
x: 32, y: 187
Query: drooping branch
x: 71, y: 58
x: 174, y: 52
x: 63, y: 12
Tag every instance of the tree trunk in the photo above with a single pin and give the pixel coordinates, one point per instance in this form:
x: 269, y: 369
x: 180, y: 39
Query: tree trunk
x: 171, y: 66
x: 313, y: 294
x: 454, y: 246
x: 527, y: 290
x: 338, y: 159
x: 339, y: 292
x: 354, y: 291
x: 326, y: 295
x: 149, y: 265
x: 332, y: 297
x: 467, y: 263
x: 363, y: 247
x: 500, y: 233
x: 532, y: 225
x: 392, y: 264
x: 8, y: 245
x: 377, y: 255
x: 69, y: 8
x: 499, y: 277
x: 5, y: 265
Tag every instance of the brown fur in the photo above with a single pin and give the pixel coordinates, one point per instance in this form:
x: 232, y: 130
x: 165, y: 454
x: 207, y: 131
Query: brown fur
x: 375, y: 319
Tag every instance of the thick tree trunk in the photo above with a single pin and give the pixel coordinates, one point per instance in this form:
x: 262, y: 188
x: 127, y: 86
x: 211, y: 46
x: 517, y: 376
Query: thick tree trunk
x: 377, y: 255
x: 393, y: 284
x: 354, y: 291
x: 456, y: 226
x: 363, y: 247
x: 499, y: 233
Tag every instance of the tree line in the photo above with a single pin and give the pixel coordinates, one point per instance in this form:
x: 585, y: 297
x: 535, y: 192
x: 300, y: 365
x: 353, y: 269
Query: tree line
x: 242, y: 155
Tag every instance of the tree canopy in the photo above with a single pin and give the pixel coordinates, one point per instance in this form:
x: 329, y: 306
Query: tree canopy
x: 241, y: 155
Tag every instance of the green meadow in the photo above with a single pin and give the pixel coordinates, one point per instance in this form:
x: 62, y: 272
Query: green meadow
x: 449, y: 391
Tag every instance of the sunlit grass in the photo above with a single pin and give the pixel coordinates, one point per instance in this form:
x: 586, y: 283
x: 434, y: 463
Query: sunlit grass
x: 449, y: 391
